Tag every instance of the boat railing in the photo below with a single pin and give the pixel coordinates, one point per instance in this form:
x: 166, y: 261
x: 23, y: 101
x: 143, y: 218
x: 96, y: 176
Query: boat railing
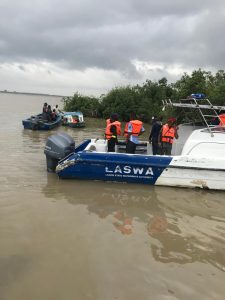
x: 208, y: 112
x: 215, y: 129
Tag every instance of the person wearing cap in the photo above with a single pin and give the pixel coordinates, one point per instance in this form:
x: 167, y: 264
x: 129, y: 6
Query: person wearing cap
x: 113, y: 129
x: 167, y: 135
x: 135, y: 129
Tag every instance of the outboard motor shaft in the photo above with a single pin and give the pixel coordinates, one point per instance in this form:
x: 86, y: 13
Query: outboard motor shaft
x: 57, y: 147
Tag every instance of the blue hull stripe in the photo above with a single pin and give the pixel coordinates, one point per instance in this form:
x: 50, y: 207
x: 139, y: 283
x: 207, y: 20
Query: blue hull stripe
x: 115, y: 167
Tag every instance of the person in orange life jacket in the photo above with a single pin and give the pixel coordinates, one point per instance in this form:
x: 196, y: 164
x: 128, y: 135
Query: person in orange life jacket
x: 167, y: 135
x: 108, y: 121
x: 154, y: 135
x: 125, y: 132
x: 135, y: 128
x: 112, y: 130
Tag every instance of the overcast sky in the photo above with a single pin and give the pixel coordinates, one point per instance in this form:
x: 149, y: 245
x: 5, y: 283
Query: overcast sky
x: 90, y: 46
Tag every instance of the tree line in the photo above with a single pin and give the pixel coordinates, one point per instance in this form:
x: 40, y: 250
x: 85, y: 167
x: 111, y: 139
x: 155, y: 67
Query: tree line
x: 146, y: 99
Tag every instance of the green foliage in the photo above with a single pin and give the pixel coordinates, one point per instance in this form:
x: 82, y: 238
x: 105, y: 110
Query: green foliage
x: 146, y: 100
x: 89, y: 106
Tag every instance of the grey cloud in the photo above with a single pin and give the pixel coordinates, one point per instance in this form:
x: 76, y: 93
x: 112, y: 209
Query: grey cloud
x: 110, y: 34
x: 22, y: 68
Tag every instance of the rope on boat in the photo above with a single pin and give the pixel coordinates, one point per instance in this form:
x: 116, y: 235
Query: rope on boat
x: 65, y: 164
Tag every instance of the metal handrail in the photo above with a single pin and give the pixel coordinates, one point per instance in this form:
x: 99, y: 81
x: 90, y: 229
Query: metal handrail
x: 196, y: 105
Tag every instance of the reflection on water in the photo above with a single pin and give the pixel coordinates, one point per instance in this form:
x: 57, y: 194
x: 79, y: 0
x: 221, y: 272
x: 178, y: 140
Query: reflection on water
x: 182, y: 227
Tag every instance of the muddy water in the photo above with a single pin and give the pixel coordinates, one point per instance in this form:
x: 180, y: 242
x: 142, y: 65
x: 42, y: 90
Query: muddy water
x: 69, y: 240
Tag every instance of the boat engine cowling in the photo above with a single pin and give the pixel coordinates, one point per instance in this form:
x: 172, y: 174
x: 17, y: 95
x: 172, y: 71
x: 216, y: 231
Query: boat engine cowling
x: 57, y: 147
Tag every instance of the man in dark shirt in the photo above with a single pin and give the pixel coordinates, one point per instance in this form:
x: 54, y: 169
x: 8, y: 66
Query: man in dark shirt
x: 154, y: 135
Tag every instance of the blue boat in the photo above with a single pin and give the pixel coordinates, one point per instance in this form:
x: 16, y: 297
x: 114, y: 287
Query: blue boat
x: 38, y: 123
x: 74, y: 119
x: 200, y: 163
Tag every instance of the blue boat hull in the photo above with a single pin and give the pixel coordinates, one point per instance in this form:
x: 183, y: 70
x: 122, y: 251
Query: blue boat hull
x: 143, y: 169
x: 91, y: 161
x: 37, y: 123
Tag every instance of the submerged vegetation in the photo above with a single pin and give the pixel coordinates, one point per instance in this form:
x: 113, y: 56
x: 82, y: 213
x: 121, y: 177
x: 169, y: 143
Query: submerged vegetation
x: 146, y: 100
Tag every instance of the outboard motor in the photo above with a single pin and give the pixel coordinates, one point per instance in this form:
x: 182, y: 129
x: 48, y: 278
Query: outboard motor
x: 57, y: 147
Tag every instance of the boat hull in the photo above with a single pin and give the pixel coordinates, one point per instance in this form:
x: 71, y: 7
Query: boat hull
x: 36, y: 123
x: 145, y: 169
x: 75, y: 125
x: 113, y: 167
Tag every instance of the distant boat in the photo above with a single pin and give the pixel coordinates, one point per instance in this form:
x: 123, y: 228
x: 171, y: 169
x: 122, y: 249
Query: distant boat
x: 38, y: 123
x: 74, y: 119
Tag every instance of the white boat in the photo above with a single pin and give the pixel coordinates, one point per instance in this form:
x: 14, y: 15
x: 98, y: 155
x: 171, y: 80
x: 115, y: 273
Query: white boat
x: 201, y: 162
x: 198, y: 159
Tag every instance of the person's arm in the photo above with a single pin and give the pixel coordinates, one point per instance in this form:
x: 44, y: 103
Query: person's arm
x: 142, y: 130
x: 176, y: 133
x: 129, y: 132
x: 150, y: 136
x: 160, y: 137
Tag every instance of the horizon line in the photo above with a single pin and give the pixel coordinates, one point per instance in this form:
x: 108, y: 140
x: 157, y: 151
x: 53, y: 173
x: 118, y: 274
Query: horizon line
x: 30, y: 93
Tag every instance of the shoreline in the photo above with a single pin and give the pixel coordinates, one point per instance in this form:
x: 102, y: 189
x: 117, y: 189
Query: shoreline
x: 34, y: 94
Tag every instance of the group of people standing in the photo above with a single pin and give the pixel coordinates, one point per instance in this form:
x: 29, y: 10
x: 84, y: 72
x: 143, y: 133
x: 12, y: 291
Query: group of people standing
x: 48, y: 113
x: 133, y: 129
x: 161, y: 136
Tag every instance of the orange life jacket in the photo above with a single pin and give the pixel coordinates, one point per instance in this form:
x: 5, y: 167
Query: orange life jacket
x: 168, y: 134
x: 125, y: 133
x: 222, y: 120
x: 108, y: 133
x: 107, y: 121
x: 136, y: 127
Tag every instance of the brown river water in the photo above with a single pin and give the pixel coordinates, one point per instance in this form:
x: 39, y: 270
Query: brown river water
x: 71, y: 239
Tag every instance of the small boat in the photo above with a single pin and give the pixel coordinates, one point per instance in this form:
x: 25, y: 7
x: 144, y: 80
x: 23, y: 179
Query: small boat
x: 74, y: 119
x: 38, y: 123
x: 198, y: 161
